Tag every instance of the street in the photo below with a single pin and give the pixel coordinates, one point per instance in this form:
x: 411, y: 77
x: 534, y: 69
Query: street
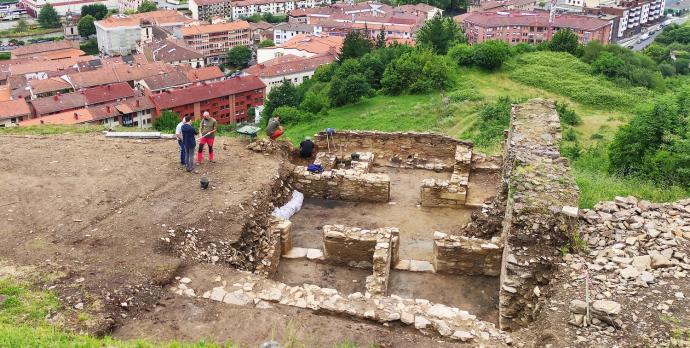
x: 640, y: 46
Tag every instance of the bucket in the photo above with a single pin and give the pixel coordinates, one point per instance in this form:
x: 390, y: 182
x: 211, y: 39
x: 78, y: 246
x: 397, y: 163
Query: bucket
x: 204, y: 182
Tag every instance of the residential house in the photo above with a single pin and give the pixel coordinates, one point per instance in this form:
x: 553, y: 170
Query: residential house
x: 130, y: 112
x: 51, y: 50
x: 173, y: 51
x: 163, y: 82
x: 288, y: 67
x: 261, y: 31
x: 71, y: 117
x: 227, y: 101
x: 208, y: 74
x: 13, y: 111
x: 49, y: 87
x: 302, y: 46
x: 59, y: 103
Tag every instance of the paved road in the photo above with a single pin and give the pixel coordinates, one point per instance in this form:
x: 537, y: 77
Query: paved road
x: 640, y: 46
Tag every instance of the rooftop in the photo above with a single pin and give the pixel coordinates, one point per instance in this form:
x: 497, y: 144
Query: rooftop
x: 163, y: 81
x: 102, y: 94
x: 289, y: 64
x: 68, y: 117
x: 14, y: 108
x: 159, y: 17
x: 204, y: 74
x: 52, y: 84
x: 534, y: 18
x: 314, y: 44
x: 122, y: 107
x: 170, y: 99
x: 58, y: 103
x: 295, y: 27
x: 170, y: 50
x: 214, y: 28
x: 41, y: 47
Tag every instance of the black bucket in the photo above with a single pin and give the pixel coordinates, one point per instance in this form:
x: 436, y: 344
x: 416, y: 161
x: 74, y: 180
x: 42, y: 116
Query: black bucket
x: 354, y: 156
x: 204, y: 182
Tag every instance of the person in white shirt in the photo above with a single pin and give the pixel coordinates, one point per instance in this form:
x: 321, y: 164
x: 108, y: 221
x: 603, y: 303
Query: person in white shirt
x: 178, y: 135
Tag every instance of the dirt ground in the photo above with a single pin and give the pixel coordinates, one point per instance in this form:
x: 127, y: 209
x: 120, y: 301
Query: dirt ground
x: 417, y: 224
x: 91, y: 211
x: 347, y: 280
x: 176, y: 317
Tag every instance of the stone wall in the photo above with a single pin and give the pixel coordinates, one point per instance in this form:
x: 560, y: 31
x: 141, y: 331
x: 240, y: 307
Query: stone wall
x: 403, y: 149
x: 342, y: 184
x: 541, y: 192
x: 467, y: 255
x: 453, y: 192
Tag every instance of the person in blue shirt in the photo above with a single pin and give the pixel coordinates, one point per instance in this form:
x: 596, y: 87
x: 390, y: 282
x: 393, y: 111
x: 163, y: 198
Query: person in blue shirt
x: 189, y: 140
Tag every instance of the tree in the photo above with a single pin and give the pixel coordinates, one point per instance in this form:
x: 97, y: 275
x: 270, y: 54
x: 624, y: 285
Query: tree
x: 564, y: 41
x: 167, y: 122
x: 439, y: 34
x: 266, y: 43
x: 292, y: 115
x: 349, y: 90
x: 238, y: 56
x: 354, y: 46
x: 21, y: 26
x: 98, y: 11
x: 90, y: 47
x: 461, y: 54
x: 48, y: 17
x: 86, y: 27
x: 490, y: 54
x: 147, y: 6
x: 381, y: 38
x: 284, y: 94
x: 419, y: 71
x: 608, y: 64
x: 315, y: 100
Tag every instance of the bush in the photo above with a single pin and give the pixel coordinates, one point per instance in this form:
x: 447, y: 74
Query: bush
x: 567, y: 115
x: 564, y: 41
x: 349, y: 90
x: 490, y: 54
x: 494, y: 118
x: 466, y: 93
x: 569, y: 134
x: 292, y: 115
x: 419, y: 71
x: 461, y: 54
x: 167, y: 122
x: 315, y: 100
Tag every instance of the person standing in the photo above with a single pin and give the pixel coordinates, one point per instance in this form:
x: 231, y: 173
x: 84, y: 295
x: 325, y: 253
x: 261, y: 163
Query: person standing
x: 274, y: 129
x: 189, y: 140
x: 178, y: 135
x: 209, y: 127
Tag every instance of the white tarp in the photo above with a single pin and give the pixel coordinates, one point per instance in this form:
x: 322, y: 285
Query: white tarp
x: 291, y: 207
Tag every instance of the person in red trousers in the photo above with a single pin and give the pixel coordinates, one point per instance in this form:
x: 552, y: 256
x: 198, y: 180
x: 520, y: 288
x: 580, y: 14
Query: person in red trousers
x: 209, y: 127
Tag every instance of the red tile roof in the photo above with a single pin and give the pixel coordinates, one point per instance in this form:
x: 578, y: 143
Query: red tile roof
x: 102, y: 94
x: 58, y: 103
x: 120, y: 108
x: 205, y: 74
x: 314, y: 44
x: 289, y: 64
x: 14, y: 108
x: 49, y: 85
x: 214, y: 28
x: 533, y: 18
x: 171, y: 99
x: 68, y: 117
x: 34, y: 49
x: 169, y: 80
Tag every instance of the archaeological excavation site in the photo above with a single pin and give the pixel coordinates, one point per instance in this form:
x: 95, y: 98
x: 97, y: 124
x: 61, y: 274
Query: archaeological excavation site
x: 380, y: 239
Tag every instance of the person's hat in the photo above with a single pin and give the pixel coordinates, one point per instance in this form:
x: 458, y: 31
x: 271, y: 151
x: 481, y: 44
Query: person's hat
x: 206, y: 113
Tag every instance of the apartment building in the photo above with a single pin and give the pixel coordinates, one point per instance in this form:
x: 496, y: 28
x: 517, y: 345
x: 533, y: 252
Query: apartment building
x: 89, y: 97
x: 532, y: 27
x: 173, y: 51
x: 632, y: 16
x: 246, y: 8
x: 227, y: 101
x: 63, y: 7
x: 214, y: 40
x: 207, y: 9
x: 285, y: 31
x: 302, y: 46
x: 122, y: 34
x: 131, y: 112
x: 288, y: 67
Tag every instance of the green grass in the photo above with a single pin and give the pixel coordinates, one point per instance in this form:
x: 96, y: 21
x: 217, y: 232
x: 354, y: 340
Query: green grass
x: 10, y: 33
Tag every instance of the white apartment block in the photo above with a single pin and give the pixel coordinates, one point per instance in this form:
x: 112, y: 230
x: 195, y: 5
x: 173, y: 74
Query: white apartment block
x: 247, y: 8
x: 207, y: 9
x: 123, y: 38
x: 124, y: 5
x: 285, y: 31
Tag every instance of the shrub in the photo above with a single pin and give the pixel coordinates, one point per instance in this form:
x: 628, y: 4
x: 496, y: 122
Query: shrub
x: 315, y: 100
x: 167, y: 122
x: 567, y: 115
x: 350, y: 89
x: 569, y: 134
x: 466, y: 93
x: 292, y: 115
x: 419, y: 71
x: 490, y: 54
x: 461, y: 54
x: 564, y: 41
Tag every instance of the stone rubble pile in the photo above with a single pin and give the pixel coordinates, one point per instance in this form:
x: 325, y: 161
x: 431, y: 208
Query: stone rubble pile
x: 423, y: 315
x: 633, y: 246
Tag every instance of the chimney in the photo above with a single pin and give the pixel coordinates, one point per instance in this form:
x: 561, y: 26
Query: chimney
x: 108, y: 86
x: 55, y: 97
x: 107, y: 108
x: 137, y: 103
x: 76, y: 116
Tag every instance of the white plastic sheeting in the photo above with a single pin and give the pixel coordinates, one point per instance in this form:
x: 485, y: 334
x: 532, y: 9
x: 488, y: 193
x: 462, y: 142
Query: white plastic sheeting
x: 291, y: 207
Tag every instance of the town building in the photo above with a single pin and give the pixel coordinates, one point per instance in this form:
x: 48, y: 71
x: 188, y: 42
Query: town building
x: 12, y: 112
x: 114, y: 73
x: 288, y: 67
x: 302, y: 46
x: 207, y: 74
x: 49, y: 87
x: 227, y: 101
x: 131, y: 112
x: 63, y: 7
x: 70, y: 28
x: 174, y: 52
x: 88, y: 97
x: 515, y: 27
x: 207, y: 9
x: 163, y: 82
x: 122, y: 34
x: 261, y: 31
x: 633, y: 15
x: 285, y: 31
x: 214, y: 40
x: 247, y: 8
x: 502, y: 5
x: 74, y: 116
x: 52, y: 50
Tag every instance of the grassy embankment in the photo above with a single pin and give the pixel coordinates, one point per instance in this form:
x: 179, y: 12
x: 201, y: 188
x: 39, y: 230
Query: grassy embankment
x: 602, y: 105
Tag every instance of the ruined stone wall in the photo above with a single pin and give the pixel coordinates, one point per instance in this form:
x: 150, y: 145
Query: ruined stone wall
x: 467, y: 255
x: 342, y: 184
x: 453, y: 192
x: 541, y: 193
x: 403, y: 149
